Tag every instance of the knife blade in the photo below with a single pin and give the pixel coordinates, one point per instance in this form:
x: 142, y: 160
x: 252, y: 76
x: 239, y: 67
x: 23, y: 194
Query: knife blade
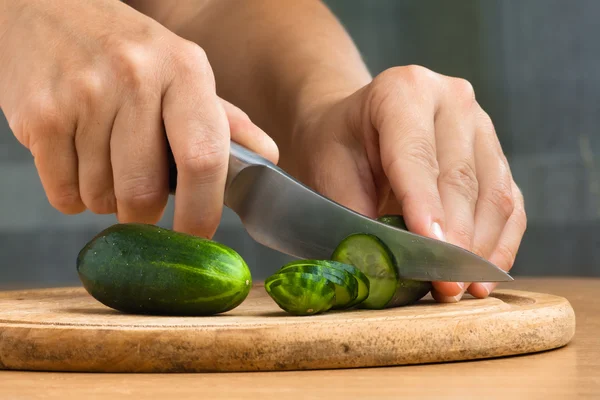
x: 283, y: 214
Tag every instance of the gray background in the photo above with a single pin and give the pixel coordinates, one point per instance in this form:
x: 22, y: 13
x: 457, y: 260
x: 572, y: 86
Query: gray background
x: 535, y: 66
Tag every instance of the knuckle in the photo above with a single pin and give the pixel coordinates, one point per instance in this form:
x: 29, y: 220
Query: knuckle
x: 45, y: 115
x: 417, y: 151
x: 386, y: 77
x: 478, y: 249
x: 38, y: 120
x: 500, y: 197
x: 140, y: 192
x: 463, y: 235
x: 463, y: 89
x: 100, y: 203
x: 204, y: 160
x: 462, y: 178
x: 65, y: 199
x: 132, y: 62
x: 411, y: 74
x: 192, y: 60
x: 398, y: 84
x: 90, y: 88
x: 417, y: 73
x: 506, y: 253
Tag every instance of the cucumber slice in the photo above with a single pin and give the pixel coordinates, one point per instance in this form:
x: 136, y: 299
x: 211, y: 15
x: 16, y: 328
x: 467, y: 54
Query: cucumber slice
x: 361, y: 278
x: 346, y: 285
x: 369, y: 254
x: 408, y: 291
x: 363, y: 282
x: 301, y: 293
x: 398, y: 222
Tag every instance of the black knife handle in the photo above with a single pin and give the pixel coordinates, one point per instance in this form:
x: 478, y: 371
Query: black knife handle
x: 172, y: 169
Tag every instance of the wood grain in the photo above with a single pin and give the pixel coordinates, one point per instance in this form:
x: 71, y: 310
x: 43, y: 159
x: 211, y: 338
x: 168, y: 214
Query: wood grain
x: 67, y: 330
x: 570, y: 372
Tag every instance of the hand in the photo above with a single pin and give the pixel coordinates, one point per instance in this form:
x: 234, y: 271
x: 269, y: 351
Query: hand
x: 94, y: 90
x: 417, y: 143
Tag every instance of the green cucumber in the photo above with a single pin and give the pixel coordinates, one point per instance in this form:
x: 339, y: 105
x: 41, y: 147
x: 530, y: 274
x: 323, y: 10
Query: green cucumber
x: 346, y: 285
x: 361, y: 278
x: 300, y: 293
x: 408, y: 291
x: 393, y: 220
x: 372, y: 256
x: 146, y: 269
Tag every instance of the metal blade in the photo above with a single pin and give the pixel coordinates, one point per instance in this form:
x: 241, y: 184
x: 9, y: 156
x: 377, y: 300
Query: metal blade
x: 283, y: 214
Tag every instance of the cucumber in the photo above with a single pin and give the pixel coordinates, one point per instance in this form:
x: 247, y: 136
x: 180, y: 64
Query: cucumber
x: 372, y: 257
x: 146, y: 269
x: 363, y: 282
x: 300, y: 293
x: 393, y: 220
x: 303, y: 287
x: 369, y: 254
x: 408, y: 291
x: 346, y: 285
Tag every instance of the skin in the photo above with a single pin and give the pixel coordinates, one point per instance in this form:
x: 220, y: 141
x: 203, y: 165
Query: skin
x: 94, y: 104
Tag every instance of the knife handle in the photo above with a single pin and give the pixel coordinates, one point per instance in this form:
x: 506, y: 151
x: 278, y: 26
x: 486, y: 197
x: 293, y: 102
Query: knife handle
x: 239, y: 159
x: 172, y: 169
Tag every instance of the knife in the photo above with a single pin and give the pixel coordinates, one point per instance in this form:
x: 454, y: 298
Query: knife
x: 283, y: 214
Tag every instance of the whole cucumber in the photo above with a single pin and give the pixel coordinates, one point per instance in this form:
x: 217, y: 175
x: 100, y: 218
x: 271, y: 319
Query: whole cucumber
x: 146, y: 269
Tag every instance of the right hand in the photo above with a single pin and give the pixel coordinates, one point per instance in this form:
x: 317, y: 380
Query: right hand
x: 93, y: 90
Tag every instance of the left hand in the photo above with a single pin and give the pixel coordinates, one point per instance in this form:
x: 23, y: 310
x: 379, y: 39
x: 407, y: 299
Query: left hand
x: 417, y: 143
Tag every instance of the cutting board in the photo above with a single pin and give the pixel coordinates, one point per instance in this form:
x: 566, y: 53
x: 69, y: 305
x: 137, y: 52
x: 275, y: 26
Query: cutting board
x: 65, y: 329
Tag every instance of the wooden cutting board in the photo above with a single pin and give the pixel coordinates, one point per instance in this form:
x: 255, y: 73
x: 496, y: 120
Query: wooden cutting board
x: 67, y: 330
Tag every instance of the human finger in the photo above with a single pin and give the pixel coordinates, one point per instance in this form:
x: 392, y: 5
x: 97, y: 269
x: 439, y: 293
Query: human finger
x: 505, y: 252
x: 198, y: 133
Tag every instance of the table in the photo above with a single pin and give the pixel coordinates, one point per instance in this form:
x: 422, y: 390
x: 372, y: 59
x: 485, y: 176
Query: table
x: 571, y: 372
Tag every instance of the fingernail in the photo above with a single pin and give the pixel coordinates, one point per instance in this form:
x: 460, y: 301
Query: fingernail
x: 458, y: 297
x: 437, y: 231
x: 488, y: 287
x: 451, y: 299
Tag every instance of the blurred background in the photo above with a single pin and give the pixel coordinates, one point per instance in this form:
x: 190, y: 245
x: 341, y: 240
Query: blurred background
x: 536, y: 70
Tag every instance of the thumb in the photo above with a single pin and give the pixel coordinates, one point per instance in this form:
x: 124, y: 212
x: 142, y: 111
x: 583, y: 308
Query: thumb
x: 244, y: 132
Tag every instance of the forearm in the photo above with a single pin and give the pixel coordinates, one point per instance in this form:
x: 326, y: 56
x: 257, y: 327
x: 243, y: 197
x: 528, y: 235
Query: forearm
x: 275, y: 62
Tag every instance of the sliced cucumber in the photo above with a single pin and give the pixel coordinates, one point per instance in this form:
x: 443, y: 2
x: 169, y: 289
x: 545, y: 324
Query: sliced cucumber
x: 369, y: 254
x: 408, y: 291
x: 346, y: 285
x: 363, y: 282
x: 393, y: 220
x: 373, y: 257
x: 362, y: 273
x: 300, y: 293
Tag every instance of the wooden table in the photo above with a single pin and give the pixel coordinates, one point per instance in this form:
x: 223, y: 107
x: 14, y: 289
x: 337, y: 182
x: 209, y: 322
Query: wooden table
x: 571, y: 372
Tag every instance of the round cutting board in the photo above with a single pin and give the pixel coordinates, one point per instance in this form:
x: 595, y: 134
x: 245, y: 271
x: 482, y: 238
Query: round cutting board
x: 68, y: 330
